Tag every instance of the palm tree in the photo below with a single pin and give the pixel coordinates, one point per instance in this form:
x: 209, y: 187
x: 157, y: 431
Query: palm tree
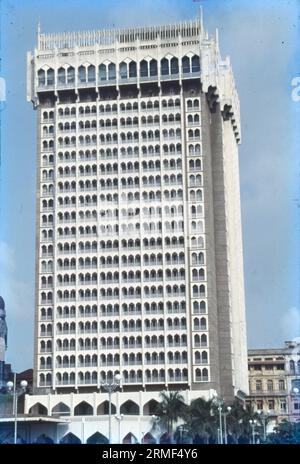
x: 202, y: 419
x: 170, y: 409
x: 238, y: 422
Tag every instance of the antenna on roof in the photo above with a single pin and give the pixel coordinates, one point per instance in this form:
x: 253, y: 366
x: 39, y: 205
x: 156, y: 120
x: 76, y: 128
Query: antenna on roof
x: 201, y: 17
x: 38, y: 33
x: 217, y: 38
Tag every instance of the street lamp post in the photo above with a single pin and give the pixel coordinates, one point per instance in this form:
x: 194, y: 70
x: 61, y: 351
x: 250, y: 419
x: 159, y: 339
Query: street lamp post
x: 180, y: 428
x: 110, y: 387
x: 225, y: 414
x: 156, y: 427
x: 219, y: 402
x: 119, y: 419
x: 12, y: 388
x: 253, y: 424
x: 263, y: 418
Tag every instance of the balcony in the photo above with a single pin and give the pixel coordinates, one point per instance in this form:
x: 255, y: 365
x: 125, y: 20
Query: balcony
x: 169, y: 77
x: 191, y: 75
x: 87, y: 382
x: 62, y: 85
x: 270, y: 393
x: 81, y: 82
x: 46, y: 87
x: 66, y: 348
x: 65, y: 366
x: 84, y: 84
x: 132, y: 363
x: 106, y: 83
x: 87, y: 364
x: 127, y: 80
x: 133, y: 381
x: 148, y: 79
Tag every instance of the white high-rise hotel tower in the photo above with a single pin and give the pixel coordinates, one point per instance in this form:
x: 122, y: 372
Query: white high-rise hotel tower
x: 139, y: 264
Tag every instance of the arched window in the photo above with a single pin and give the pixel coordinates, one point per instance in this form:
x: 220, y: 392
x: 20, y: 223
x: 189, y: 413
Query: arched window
x: 132, y: 69
x: 71, y: 75
x: 61, y: 76
x: 129, y: 407
x: 144, y: 68
x: 111, y: 71
x: 102, y: 72
x: 123, y: 70
x: 195, y: 63
x: 153, y: 68
x: 186, y: 65
x: 41, y: 77
x: 164, y: 67
x: 91, y: 73
x: 174, y: 66
x: 81, y: 74
x: 50, y: 77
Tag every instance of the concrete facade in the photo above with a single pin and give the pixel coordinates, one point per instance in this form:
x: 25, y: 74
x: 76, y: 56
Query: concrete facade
x: 274, y: 382
x: 139, y: 244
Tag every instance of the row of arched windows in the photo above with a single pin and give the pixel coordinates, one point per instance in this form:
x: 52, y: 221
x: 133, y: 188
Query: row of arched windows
x: 174, y: 323
x: 127, y: 309
x: 129, y: 152
x: 126, y: 70
x: 146, y: 151
x: 173, y: 375
x: 131, y: 292
x: 124, y: 137
x: 109, y: 342
x: 113, y: 108
x: 111, y: 277
x: 113, y: 123
x: 132, y: 376
x: 195, y: 242
x: 93, y: 215
x: 131, y: 260
x: 88, y: 110
x: 87, y: 360
x: 68, y: 171
x: 154, y: 341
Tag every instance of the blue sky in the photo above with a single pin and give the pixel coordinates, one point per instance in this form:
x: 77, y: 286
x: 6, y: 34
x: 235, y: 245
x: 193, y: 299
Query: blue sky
x: 261, y: 38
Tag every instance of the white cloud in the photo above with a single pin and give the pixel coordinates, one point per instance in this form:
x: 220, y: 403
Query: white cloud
x: 7, y: 262
x: 290, y: 324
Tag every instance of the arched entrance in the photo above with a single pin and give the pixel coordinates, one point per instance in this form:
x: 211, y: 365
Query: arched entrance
x: 97, y: 439
x: 130, y: 439
x: 130, y: 408
x: 70, y: 439
x: 83, y: 409
x: 148, y: 439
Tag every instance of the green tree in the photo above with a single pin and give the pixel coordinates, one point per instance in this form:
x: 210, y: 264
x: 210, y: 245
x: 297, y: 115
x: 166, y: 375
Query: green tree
x: 170, y: 409
x: 238, y: 424
x: 202, y: 419
x: 285, y: 433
